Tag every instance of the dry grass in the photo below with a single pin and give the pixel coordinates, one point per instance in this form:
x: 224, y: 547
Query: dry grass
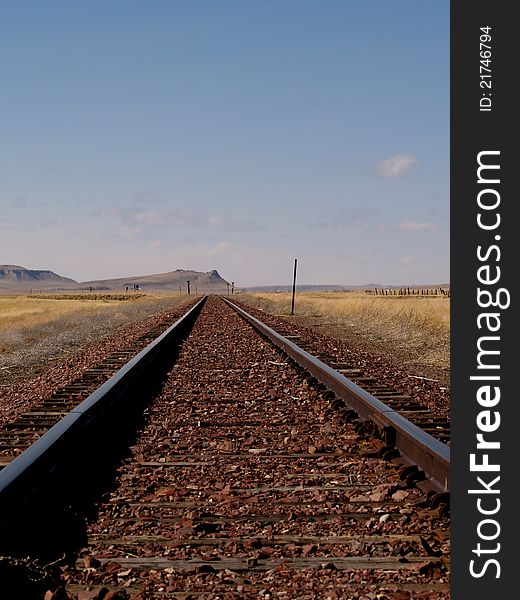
x: 411, y: 329
x: 94, y: 296
x: 23, y: 312
x: 431, y: 314
x: 35, y: 330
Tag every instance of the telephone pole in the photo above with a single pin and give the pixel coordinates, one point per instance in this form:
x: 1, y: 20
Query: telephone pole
x: 293, y: 286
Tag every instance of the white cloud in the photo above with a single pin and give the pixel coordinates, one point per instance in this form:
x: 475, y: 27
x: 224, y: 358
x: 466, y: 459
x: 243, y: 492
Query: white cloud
x: 152, y: 218
x: 414, y: 226
x: 185, y: 217
x: 397, y: 165
x: 406, y: 226
x: 221, y: 248
x: 215, y: 220
x: 406, y: 261
x: 126, y: 231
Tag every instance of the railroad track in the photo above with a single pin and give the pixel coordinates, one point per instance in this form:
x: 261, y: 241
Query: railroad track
x: 25, y: 428
x: 213, y: 465
x: 433, y: 422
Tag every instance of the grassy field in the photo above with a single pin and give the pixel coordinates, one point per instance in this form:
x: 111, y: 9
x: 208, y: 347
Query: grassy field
x: 32, y: 312
x: 429, y: 313
x: 413, y: 330
x: 36, y: 329
x: 107, y: 297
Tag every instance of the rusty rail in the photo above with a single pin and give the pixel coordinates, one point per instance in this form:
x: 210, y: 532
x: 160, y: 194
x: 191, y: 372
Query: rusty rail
x: 24, y: 479
x: 34, y: 469
x: 415, y: 445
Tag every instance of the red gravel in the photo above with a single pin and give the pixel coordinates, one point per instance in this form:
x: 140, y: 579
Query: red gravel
x: 429, y: 393
x: 244, y: 484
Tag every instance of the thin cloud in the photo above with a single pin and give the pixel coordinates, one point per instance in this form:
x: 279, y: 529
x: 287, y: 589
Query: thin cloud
x: 152, y: 218
x: 407, y: 261
x: 23, y: 202
x: 126, y: 231
x: 397, y: 165
x: 146, y: 223
x: 414, y: 226
x: 406, y: 226
x: 20, y: 202
x: 221, y: 248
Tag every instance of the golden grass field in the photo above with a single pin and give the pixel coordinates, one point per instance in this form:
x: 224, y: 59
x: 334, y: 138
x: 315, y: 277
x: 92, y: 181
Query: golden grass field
x: 414, y: 330
x: 23, y: 312
x: 35, y: 330
x: 428, y: 313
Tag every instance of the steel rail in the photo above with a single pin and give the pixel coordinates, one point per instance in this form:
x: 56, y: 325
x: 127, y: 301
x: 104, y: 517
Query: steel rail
x: 21, y: 479
x: 415, y: 445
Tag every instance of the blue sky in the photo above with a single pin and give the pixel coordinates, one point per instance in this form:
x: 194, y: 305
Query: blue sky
x: 140, y: 137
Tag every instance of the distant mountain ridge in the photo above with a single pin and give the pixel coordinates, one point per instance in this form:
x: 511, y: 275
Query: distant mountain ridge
x: 17, y: 279
x: 14, y: 278
x: 173, y: 281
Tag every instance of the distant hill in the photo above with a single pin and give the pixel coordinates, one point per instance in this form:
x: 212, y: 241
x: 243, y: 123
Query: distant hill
x: 164, y: 282
x: 16, y: 279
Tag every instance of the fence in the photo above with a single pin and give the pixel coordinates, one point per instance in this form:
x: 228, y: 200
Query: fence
x: 409, y: 292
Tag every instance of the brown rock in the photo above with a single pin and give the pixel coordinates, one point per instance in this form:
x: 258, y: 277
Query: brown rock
x: 118, y: 595
x: 400, y: 495
x: 400, y: 595
x: 96, y: 594
x: 90, y: 562
x: 309, y: 549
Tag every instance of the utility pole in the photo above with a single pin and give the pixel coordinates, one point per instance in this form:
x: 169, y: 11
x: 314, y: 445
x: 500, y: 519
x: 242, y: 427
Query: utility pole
x: 227, y: 283
x: 188, y: 287
x: 293, y: 286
